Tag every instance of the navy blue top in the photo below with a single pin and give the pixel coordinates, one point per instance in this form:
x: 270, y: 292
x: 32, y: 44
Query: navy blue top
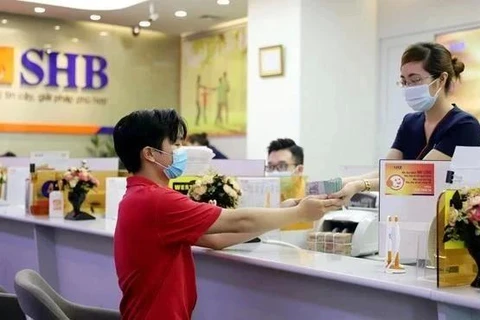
x: 457, y: 128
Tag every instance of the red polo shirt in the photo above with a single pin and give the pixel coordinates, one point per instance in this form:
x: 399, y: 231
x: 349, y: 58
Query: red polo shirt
x: 156, y: 227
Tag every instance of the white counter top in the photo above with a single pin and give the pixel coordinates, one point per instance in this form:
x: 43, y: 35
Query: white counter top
x: 362, y: 272
x: 99, y: 226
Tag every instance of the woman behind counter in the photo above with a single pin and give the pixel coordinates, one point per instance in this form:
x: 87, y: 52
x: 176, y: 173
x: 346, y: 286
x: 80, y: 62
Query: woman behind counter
x: 201, y: 139
x: 428, y: 72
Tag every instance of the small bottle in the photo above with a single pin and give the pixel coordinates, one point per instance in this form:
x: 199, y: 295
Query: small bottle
x: 30, y: 186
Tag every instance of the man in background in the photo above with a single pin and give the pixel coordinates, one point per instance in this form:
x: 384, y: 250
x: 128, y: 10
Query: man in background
x: 285, y: 158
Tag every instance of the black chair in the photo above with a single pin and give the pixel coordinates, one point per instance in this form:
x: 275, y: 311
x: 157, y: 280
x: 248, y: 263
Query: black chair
x: 9, y: 307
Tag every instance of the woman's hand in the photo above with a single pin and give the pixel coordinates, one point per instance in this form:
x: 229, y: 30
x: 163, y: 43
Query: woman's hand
x: 348, y: 191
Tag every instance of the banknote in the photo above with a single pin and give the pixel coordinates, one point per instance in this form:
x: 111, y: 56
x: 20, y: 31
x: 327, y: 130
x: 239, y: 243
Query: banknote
x: 324, y: 187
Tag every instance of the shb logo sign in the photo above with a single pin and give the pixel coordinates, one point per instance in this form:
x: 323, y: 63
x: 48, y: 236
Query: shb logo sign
x: 41, y: 68
x: 6, y: 65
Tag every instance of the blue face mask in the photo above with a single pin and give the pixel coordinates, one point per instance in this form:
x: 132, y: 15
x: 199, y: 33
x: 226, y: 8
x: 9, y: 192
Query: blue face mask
x: 419, y: 98
x: 179, y: 162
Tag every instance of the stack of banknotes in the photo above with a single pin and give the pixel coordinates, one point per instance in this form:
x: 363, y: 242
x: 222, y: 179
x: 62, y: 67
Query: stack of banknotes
x: 324, y: 187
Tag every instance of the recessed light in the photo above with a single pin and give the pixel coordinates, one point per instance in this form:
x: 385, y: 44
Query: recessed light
x: 95, y: 17
x: 103, y: 33
x: 75, y: 40
x: 180, y: 14
x: 39, y: 10
x: 4, y: 21
x: 56, y: 28
x: 144, y: 24
x: 223, y: 2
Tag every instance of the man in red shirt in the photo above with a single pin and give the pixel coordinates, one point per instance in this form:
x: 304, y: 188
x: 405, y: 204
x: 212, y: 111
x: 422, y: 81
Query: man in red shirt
x: 157, y: 226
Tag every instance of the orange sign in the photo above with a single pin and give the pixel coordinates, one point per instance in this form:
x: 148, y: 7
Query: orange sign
x: 410, y: 179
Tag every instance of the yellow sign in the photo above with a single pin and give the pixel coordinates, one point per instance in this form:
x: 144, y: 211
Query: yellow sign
x: 455, y: 266
x: 182, y: 184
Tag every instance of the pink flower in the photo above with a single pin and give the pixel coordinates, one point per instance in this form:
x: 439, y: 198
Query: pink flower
x: 474, y: 214
x: 84, y: 176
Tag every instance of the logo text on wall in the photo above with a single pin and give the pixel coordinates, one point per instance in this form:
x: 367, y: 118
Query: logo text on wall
x: 41, y: 68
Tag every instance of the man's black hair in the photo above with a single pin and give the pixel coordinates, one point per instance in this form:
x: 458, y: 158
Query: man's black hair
x: 290, y: 145
x: 145, y: 128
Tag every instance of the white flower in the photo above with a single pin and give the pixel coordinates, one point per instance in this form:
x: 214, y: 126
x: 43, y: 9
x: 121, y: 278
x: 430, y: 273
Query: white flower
x: 207, y: 179
x: 228, y: 190
x: 195, y: 196
x: 201, y: 190
x: 235, y: 185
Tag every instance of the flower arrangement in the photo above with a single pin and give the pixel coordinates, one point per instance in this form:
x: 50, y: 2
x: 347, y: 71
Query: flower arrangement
x: 463, y: 216
x: 79, y: 179
x: 217, y: 189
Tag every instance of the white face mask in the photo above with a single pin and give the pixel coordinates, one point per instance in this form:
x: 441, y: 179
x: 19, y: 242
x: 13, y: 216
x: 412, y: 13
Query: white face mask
x: 279, y: 174
x: 419, y: 98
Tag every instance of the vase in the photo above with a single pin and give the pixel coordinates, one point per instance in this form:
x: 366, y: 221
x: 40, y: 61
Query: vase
x: 472, y: 242
x: 77, y: 198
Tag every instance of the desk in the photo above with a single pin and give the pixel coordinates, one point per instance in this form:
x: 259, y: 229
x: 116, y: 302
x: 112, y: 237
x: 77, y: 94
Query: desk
x: 249, y: 281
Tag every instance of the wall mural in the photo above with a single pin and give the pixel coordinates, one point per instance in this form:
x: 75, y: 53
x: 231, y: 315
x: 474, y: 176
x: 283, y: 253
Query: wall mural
x: 465, y: 45
x: 214, y: 81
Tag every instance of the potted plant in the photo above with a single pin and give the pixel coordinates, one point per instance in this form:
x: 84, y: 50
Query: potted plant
x: 464, y: 224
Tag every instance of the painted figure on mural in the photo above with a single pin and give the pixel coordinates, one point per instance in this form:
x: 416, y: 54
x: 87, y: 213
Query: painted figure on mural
x: 222, y: 99
x: 226, y: 85
x: 201, y: 97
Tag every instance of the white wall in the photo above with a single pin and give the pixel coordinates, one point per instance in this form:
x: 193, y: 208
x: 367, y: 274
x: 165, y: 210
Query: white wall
x: 399, y: 18
x: 401, y: 23
x: 273, y: 103
x: 232, y: 147
x: 338, y: 84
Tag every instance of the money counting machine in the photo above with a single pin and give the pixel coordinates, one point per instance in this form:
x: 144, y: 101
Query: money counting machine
x: 352, y: 232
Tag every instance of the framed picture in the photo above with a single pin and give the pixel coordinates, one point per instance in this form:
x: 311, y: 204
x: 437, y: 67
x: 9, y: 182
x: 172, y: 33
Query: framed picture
x: 271, y: 61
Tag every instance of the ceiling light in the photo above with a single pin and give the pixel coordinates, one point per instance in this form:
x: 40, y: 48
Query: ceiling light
x: 39, y: 10
x: 75, y: 40
x: 180, y: 14
x: 95, y: 17
x: 88, y: 5
x: 103, y: 33
x: 4, y: 21
x: 144, y: 24
x: 56, y: 28
x: 223, y: 2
